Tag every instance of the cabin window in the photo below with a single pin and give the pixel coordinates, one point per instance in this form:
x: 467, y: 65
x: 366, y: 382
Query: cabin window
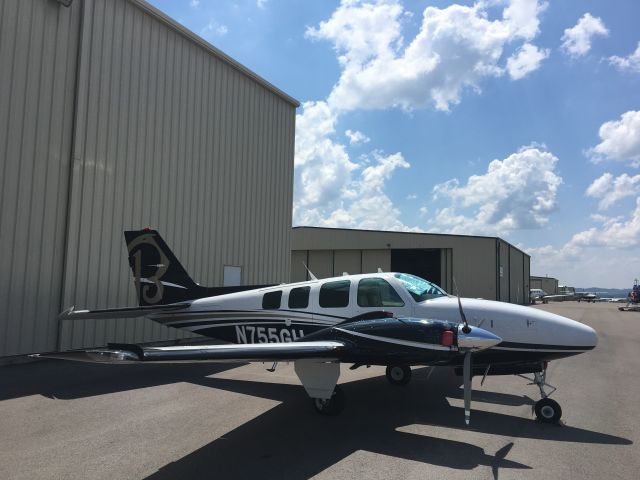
x: 335, y: 294
x: 299, y: 297
x: 376, y: 292
x: 271, y: 300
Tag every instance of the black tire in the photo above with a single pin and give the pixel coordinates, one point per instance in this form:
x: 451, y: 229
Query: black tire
x: 398, y: 374
x: 548, y: 410
x: 331, y: 406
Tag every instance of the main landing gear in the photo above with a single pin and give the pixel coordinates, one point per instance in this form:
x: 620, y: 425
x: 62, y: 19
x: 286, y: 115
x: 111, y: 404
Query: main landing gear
x: 546, y: 409
x: 398, y: 374
x: 330, y: 406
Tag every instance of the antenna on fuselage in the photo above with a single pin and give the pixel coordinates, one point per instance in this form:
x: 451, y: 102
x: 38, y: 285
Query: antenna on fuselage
x: 313, y: 277
x: 380, y: 270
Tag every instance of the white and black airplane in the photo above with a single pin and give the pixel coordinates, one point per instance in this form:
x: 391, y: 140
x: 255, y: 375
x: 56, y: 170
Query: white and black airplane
x: 395, y: 320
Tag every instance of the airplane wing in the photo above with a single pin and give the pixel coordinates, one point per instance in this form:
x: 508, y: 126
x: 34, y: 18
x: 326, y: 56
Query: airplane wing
x: 127, y: 312
x: 260, y: 352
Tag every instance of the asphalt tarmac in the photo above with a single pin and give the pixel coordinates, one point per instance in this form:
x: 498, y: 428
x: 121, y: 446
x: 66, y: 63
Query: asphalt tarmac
x: 76, y: 421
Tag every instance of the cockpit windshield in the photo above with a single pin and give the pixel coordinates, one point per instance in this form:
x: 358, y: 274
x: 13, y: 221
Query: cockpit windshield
x: 419, y: 288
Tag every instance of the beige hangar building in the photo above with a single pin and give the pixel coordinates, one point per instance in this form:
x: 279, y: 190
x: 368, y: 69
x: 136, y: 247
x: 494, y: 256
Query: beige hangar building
x: 483, y: 267
x: 115, y: 117
x: 548, y: 284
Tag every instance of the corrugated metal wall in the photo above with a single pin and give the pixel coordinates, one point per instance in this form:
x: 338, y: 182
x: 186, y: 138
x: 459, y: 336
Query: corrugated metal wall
x: 38, y: 42
x: 473, y: 261
x: 167, y: 132
x: 516, y: 277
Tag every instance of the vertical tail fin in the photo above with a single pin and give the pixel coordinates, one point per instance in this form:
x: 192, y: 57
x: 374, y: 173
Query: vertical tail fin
x: 159, y: 277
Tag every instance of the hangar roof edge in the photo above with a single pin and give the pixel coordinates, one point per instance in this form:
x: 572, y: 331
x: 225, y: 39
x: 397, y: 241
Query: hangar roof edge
x: 395, y: 232
x: 163, y: 17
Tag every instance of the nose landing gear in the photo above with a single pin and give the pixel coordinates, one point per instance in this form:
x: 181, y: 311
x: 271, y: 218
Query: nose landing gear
x: 546, y: 409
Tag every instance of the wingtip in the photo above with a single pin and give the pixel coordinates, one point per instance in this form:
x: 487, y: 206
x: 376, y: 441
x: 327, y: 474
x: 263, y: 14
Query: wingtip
x: 66, y: 313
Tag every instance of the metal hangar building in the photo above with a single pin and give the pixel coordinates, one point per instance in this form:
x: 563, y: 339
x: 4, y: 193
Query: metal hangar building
x: 112, y: 117
x: 548, y: 284
x: 483, y: 267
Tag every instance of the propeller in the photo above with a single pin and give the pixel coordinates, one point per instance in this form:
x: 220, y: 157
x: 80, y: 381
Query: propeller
x: 471, y: 340
x: 466, y: 367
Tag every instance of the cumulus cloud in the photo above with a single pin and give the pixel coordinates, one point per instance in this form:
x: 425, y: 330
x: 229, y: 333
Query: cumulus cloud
x: 261, y: 3
x: 454, y: 49
x: 517, y: 192
x: 214, y: 29
x: 575, y: 266
x: 323, y: 166
x: 630, y: 63
x: 576, y: 41
x: 620, y: 140
x: 616, y: 232
x: 356, y: 138
x: 610, y: 190
x: 331, y: 190
x: 526, y: 60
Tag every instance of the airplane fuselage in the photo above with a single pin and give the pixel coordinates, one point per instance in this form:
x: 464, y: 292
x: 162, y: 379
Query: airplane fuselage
x: 291, y: 312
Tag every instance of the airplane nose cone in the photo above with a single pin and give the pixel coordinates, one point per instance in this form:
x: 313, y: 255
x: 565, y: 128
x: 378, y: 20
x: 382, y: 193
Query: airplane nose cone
x: 558, y: 330
x: 586, y: 335
x: 476, y: 339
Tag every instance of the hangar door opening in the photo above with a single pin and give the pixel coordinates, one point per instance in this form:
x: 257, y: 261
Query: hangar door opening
x: 424, y: 262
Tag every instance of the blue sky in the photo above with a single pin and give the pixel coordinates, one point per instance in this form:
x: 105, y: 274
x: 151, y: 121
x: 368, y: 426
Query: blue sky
x: 515, y: 118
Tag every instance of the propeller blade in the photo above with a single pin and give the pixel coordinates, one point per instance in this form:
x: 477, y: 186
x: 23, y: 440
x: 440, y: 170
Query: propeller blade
x: 466, y: 374
x: 466, y: 328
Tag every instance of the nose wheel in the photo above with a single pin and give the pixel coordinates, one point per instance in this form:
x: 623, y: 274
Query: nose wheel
x: 546, y: 409
x: 398, y: 374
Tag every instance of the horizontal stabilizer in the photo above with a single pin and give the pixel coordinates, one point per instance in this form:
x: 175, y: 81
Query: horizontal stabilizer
x: 127, y: 312
x: 258, y: 352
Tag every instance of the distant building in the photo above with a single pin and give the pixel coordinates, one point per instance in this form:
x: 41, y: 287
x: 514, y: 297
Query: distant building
x: 483, y: 267
x: 548, y: 284
x: 564, y: 290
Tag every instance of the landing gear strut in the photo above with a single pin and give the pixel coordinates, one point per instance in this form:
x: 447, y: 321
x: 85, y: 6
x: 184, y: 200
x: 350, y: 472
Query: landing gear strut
x: 546, y: 409
x: 330, y: 406
x: 398, y: 374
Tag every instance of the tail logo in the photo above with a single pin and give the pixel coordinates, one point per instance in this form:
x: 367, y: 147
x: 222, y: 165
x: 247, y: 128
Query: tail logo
x: 153, y: 289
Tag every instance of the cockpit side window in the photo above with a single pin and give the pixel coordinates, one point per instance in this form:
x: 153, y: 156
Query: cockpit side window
x: 335, y: 294
x: 419, y: 288
x: 376, y: 292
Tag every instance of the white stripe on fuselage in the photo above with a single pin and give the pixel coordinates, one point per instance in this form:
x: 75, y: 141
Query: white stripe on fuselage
x: 408, y: 343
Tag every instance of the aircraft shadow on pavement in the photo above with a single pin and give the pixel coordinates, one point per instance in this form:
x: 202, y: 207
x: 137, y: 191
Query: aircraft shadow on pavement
x: 292, y: 441
x: 70, y: 380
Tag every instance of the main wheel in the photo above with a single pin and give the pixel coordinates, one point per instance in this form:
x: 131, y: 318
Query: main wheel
x: 548, y: 411
x: 330, y: 406
x: 398, y: 374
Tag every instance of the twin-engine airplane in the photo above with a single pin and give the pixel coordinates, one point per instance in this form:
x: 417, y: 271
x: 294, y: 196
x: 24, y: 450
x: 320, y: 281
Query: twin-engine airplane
x: 390, y: 319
